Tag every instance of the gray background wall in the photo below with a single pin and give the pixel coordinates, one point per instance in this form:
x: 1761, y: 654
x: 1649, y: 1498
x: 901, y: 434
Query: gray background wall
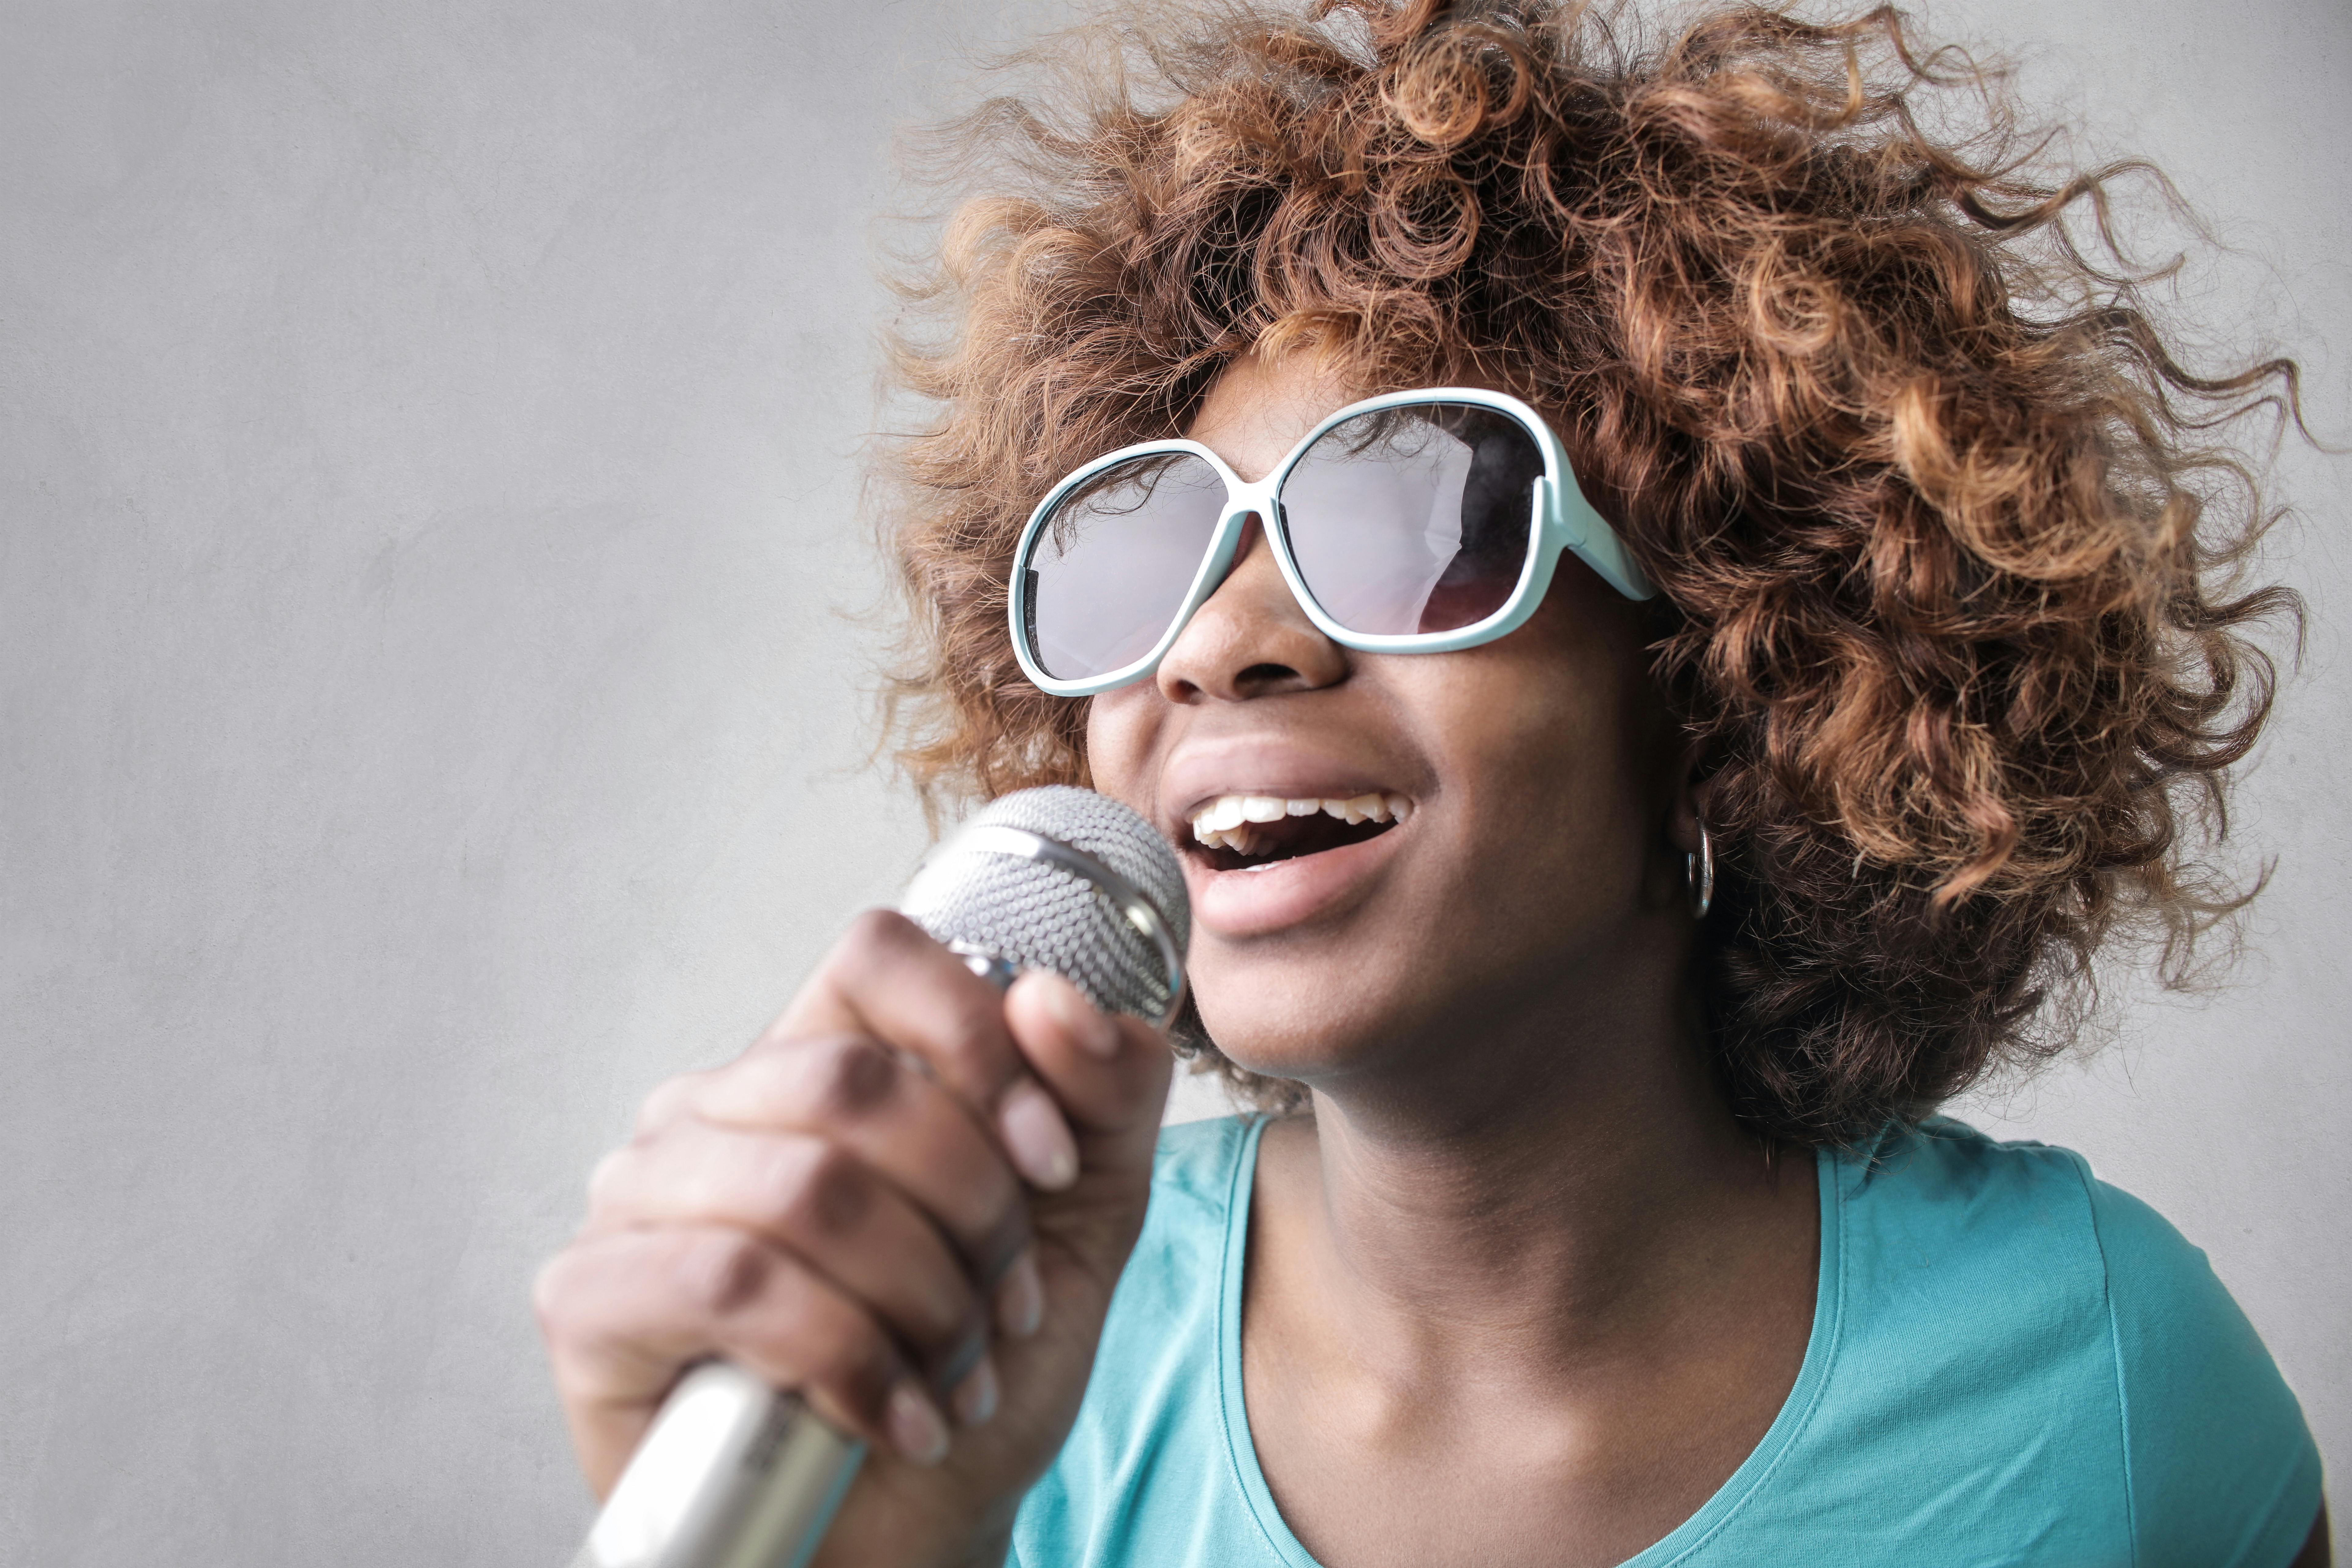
x: 427, y: 448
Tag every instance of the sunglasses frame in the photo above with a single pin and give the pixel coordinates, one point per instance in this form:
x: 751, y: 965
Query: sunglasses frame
x: 1562, y: 519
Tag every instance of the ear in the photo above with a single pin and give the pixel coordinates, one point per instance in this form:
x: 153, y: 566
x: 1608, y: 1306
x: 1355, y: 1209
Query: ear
x: 1693, y: 785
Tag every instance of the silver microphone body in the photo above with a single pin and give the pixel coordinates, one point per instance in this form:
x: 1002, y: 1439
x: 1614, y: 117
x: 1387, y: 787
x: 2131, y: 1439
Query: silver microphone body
x: 734, y: 1473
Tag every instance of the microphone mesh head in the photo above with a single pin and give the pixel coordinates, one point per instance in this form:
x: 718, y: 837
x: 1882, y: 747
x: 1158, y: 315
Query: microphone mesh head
x: 1037, y: 915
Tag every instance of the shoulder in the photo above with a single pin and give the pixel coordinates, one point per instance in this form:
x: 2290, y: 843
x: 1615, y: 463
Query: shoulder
x: 2219, y: 1449
x: 1951, y: 1197
x: 2056, y: 1303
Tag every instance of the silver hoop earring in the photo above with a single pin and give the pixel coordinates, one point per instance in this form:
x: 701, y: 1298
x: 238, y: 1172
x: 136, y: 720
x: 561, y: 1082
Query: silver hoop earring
x: 1699, y: 874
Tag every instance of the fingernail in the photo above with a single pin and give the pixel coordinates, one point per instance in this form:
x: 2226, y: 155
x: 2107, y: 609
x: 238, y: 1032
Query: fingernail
x: 917, y: 1428
x: 1086, y: 1023
x: 1037, y: 1138
x: 1021, y: 1298
x: 975, y: 1396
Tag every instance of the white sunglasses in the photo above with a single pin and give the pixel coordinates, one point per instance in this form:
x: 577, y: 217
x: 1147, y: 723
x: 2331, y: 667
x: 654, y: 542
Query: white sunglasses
x: 1411, y: 523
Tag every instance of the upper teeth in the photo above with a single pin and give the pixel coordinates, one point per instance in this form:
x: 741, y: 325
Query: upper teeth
x: 1225, y: 820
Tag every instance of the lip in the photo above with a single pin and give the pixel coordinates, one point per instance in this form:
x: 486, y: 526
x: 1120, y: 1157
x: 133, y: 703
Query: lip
x: 1200, y: 774
x: 1240, y: 904
x: 1237, y: 905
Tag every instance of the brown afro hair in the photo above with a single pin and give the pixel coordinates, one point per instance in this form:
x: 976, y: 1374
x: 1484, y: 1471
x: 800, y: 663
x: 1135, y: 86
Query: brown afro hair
x: 1947, y: 550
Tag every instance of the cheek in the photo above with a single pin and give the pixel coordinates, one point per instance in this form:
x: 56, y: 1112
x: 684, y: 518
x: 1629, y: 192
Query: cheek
x: 1119, y: 741
x: 1568, y: 732
x: 1546, y: 744
x: 1568, y: 753
x: 1550, y: 812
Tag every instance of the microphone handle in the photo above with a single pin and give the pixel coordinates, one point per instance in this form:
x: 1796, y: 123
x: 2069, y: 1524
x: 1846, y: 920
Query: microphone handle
x: 733, y: 1474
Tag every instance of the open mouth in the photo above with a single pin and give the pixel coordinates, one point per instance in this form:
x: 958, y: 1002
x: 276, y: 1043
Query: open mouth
x: 1252, y: 832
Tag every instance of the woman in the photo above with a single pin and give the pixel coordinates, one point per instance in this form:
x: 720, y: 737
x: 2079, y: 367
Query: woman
x: 1599, y: 945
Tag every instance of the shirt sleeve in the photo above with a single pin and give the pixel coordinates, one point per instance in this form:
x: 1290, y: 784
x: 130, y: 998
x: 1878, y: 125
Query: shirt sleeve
x: 2220, y: 1466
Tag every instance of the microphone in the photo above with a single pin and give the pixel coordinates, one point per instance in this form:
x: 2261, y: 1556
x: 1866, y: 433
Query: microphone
x: 736, y: 1474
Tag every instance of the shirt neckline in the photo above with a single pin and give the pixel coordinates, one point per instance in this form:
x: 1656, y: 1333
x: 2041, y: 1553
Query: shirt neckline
x: 1678, y: 1545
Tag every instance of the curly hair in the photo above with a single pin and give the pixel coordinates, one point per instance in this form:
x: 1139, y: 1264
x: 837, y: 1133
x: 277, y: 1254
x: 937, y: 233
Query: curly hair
x: 1949, y: 554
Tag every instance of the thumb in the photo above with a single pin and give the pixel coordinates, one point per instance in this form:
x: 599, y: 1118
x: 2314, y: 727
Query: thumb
x: 1108, y: 1072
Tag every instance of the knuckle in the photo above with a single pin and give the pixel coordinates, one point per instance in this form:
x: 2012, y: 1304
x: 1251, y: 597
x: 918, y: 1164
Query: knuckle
x: 876, y: 937
x: 722, y: 1273
x: 867, y: 1383
x: 550, y: 1296
x: 610, y: 1178
x: 857, y: 1362
x: 952, y: 1329
x: 880, y: 927
x: 996, y: 1199
x: 761, y: 1058
x: 1001, y: 1240
x: 977, y: 1046
x: 663, y: 1105
x: 764, y: 1083
x: 859, y: 1076
x: 827, y: 1192
x: 979, y: 1205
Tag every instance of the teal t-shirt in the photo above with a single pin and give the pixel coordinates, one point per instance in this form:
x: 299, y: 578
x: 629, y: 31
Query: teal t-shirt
x: 2012, y: 1362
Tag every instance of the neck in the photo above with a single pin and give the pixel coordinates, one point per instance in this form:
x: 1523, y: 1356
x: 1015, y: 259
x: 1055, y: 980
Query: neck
x: 1553, y: 1205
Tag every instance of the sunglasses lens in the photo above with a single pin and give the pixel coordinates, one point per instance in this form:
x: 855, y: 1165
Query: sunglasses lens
x: 1110, y: 568
x: 1416, y: 518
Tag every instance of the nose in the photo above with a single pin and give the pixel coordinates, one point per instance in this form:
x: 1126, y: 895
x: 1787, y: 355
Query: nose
x: 1251, y: 638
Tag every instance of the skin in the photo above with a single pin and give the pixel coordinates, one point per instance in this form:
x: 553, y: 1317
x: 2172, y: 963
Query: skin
x: 1520, y: 1290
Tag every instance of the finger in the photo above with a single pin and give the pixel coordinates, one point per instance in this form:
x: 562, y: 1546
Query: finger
x: 671, y: 1100
x: 1107, y: 1071
x: 624, y: 1314
x: 817, y: 1201
x: 854, y: 1091
x: 888, y: 979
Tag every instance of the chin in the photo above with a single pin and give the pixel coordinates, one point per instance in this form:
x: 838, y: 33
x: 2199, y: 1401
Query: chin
x: 1287, y: 1029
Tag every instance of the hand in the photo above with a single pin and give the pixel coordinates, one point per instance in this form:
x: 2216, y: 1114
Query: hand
x: 909, y: 1200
